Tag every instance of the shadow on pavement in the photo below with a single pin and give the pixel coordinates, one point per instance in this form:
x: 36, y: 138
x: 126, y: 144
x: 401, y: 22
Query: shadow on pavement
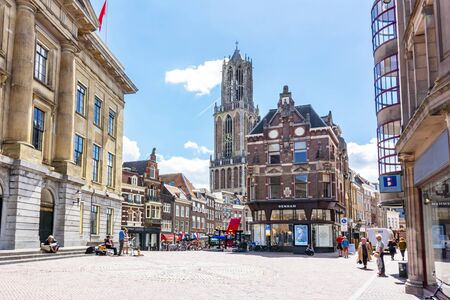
x: 287, y: 254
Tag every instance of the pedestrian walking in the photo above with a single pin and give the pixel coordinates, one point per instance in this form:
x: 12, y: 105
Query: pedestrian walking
x: 402, y: 247
x: 339, y: 244
x: 344, y: 244
x: 121, y: 240
x: 392, y: 246
x: 125, y: 242
x: 379, y: 253
x: 364, y: 252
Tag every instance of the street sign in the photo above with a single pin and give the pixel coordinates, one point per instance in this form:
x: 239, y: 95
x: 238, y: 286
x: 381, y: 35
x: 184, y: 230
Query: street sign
x: 344, y: 221
x: 344, y: 228
x: 390, y: 184
x: 267, y: 230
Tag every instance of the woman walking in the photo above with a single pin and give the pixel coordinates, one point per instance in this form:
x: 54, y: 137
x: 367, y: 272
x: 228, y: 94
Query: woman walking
x: 402, y: 247
x: 345, y: 243
x: 379, y: 252
x: 364, y: 252
x: 125, y: 242
x: 392, y: 248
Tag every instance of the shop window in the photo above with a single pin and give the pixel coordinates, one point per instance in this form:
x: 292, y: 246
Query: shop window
x: 287, y: 214
x: 300, y: 153
x: 322, y: 235
x: 259, y: 215
x: 274, y: 154
x: 274, y: 187
x: 281, y: 235
x: 436, y: 197
x: 300, y: 214
x: 321, y: 215
x: 276, y: 215
x: 301, y: 186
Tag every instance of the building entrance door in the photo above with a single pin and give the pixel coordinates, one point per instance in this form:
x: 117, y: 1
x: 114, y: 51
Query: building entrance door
x: 46, y: 215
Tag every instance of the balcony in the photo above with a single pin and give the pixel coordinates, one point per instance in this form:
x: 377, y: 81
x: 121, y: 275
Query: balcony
x: 228, y: 161
x: 152, y: 199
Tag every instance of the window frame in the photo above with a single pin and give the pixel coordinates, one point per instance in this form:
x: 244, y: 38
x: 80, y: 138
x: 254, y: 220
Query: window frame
x: 274, y: 153
x: 38, y: 58
x: 38, y: 129
x: 271, y: 185
x: 96, y: 163
x: 112, y: 122
x: 77, y: 153
x: 110, y: 170
x: 299, y: 151
x: 110, y: 219
x: 95, y: 219
x: 297, y: 182
x: 80, y: 105
x: 98, y: 112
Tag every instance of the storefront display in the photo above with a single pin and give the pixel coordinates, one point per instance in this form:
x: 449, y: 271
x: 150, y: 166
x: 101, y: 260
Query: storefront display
x: 301, y: 235
x: 436, y: 199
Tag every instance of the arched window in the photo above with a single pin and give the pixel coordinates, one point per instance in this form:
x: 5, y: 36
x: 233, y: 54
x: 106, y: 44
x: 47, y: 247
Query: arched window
x: 216, y: 180
x: 239, y: 84
x: 228, y: 137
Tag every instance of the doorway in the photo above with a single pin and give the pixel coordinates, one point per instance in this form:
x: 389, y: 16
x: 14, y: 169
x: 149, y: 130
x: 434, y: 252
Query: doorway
x: 46, y: 215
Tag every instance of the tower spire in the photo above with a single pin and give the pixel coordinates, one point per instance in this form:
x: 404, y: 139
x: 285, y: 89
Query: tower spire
x: 237, y: 45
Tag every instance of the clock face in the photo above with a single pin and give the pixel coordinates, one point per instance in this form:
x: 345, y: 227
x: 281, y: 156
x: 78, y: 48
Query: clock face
x: 273, y: 134
x: 299, y: 131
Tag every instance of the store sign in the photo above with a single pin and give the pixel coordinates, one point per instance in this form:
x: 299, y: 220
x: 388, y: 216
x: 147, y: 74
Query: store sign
x: 287, y: 205
x: 390, y: 184
x: 267, y: 230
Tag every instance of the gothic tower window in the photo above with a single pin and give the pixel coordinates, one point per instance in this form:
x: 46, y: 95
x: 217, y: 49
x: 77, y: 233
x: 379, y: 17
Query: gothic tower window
x: 230, y: 83
x: 228, y: 137
x: 239, y: 84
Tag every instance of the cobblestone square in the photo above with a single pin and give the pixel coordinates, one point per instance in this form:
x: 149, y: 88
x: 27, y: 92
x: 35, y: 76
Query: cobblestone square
x: 200, y: 275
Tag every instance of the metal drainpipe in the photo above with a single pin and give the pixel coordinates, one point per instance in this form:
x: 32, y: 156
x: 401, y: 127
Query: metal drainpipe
x: 90, y: 216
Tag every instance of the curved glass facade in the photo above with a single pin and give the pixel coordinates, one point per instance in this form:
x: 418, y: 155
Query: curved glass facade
x: 383, y: 23
x: 386, y: 82
x: 388, y: 135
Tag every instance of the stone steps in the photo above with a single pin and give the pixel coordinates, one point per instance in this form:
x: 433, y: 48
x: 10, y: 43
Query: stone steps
x: 31, y: 255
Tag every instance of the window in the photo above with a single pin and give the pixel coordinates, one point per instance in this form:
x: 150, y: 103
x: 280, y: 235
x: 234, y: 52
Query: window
x: 98, y: 112
x: 388, y: 135
x: 274, y: 188
x: 109, y: 221
x: 301, y: 186
x: 228, y: 137
x: 300, y: 214
x: 166, y: 207
x: 187, y: 212
x: 321, y: 215
x: 38, y: 128
x: 177, y: 226
x: 300, y: 154
x: 274, y: 154
x: 80, y: 99
x: 95, y: 163
x: 177, y: 211
x: 386, y: 82
x: 95, y: 219
x: 383, y: 23
x: 323, y: 235
x: 166, y: 225
x: 111, y: 122
x: 182, y: 211
x: 152, y: 172
x: 81, y: 217
x: 194, y: 224
x: 276, y: 215
x: 78, y: 150
x: 259, y: 215
x: 156, y: 212
x: 41, y: 63
x: 110, y: 170
x: 134, y: 180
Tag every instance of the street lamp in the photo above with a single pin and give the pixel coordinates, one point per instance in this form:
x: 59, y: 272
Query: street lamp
x: 77, y: 198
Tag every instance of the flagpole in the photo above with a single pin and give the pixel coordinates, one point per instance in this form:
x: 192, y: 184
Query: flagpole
x: 106, y: 27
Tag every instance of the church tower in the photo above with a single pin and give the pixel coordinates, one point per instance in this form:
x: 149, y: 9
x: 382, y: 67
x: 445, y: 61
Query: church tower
x: 233, y: 120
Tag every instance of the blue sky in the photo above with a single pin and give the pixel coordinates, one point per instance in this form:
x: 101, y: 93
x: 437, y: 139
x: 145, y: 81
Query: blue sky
x: 320, y: 48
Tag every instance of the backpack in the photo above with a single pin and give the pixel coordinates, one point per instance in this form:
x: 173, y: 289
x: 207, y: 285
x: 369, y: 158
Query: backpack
x: 90, y: 250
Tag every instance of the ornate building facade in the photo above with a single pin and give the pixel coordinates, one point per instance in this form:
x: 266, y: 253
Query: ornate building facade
x: 61, y: 107
x: 233, y: 120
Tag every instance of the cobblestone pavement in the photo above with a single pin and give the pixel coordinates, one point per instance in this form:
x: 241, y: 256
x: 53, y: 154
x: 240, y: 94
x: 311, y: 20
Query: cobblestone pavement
x: 200, y: 275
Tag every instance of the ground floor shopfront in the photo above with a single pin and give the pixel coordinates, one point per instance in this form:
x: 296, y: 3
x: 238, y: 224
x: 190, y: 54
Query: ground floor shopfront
x: 427, y: 204
x: 293, y: 225
x: 146, y: 238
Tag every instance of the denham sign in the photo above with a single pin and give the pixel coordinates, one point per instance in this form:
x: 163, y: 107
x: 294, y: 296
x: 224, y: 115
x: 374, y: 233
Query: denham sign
x: 287, y: 205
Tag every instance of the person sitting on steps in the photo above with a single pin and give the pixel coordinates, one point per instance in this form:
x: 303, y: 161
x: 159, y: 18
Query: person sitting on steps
x: 110, y: 245
x: 50, y: 245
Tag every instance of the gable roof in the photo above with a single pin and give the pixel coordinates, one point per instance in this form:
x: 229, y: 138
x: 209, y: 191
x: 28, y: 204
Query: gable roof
x: 138, y: 166
x: 187, y: 187
x: 315, y: 120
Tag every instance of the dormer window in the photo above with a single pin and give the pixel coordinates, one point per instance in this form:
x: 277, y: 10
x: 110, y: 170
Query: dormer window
x: 152, y: 172
x: 134, y: 180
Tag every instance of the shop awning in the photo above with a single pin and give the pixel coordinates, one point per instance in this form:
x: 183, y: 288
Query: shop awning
x: 234, y: 224
x: 167, y: 237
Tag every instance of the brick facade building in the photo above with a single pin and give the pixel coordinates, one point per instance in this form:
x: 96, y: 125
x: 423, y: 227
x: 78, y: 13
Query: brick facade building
x: 297, y: 168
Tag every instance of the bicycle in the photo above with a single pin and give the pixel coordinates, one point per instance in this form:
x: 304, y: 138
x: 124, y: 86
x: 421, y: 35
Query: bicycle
x: 438, y: 293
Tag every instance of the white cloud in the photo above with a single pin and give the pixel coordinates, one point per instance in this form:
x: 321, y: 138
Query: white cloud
x: 130, y: 150
x: 196, y: 169
x: 197, y: 147
x: 364, y: 159
x: 199, y: 79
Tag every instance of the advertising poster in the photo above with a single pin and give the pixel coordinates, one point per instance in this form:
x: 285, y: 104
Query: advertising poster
x: 301, y: 235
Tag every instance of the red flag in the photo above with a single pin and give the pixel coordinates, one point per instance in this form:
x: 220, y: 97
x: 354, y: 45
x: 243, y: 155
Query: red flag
x: 102, y: 14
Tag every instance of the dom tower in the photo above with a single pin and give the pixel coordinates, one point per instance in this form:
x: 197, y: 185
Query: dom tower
x: 233, y: 120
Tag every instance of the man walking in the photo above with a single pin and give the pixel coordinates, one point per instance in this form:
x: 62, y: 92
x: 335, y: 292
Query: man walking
x: 379, y: 251
x: 121, y: 240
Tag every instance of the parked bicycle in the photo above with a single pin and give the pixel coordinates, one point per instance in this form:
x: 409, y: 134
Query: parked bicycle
x: 438, y: 293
